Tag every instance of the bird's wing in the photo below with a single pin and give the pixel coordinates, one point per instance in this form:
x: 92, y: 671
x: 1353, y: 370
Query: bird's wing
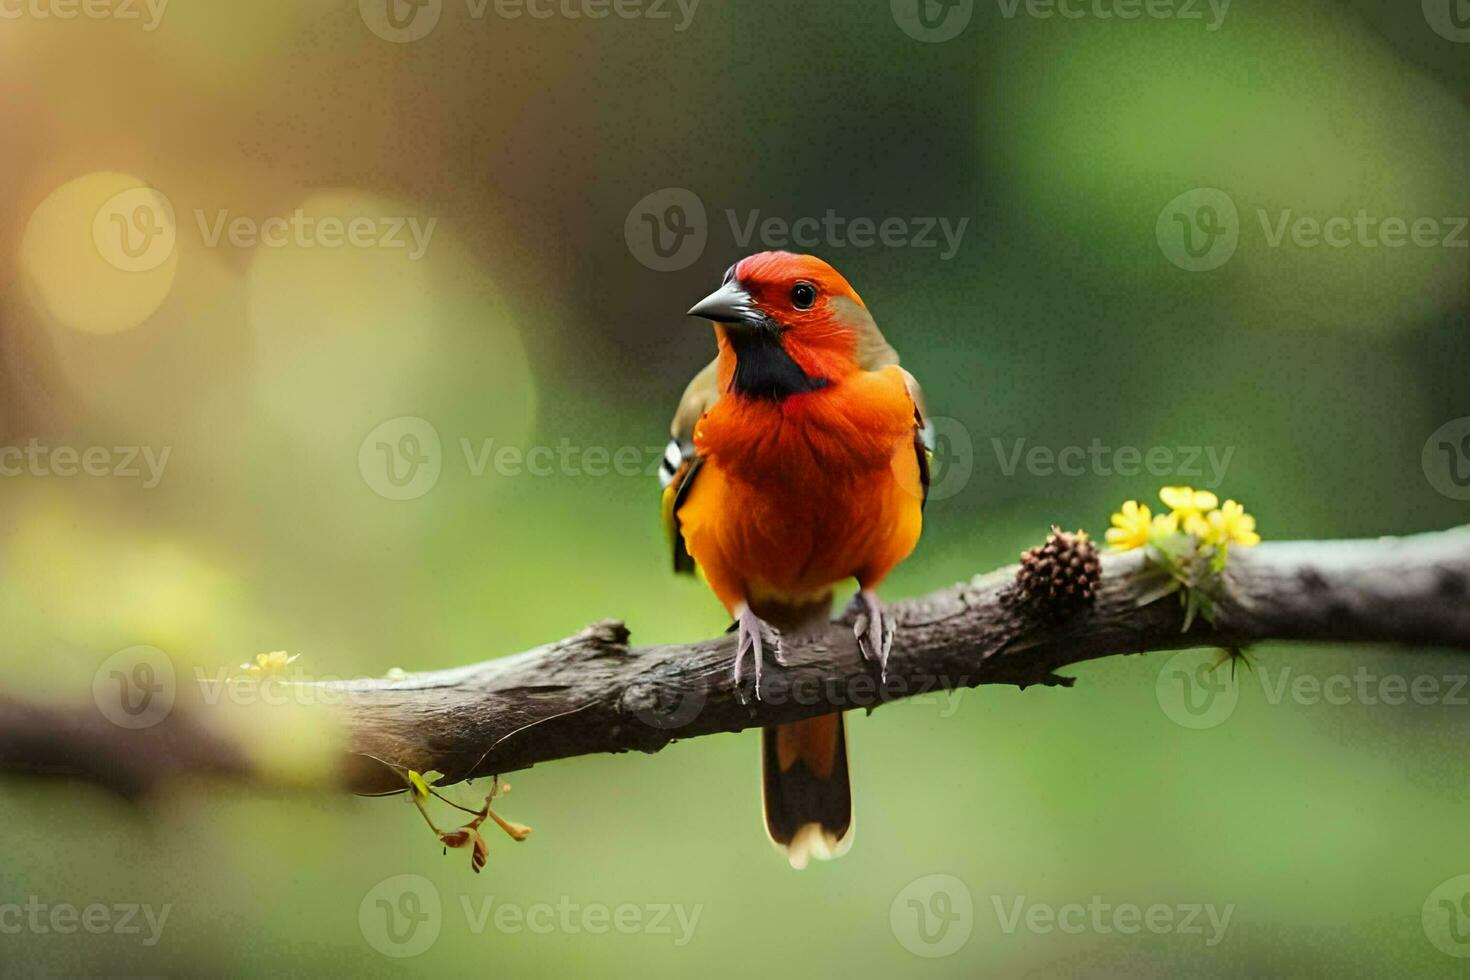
x: 701, y: 392
x: 876, y: 353
x: 680, y: 463
x: 923, y: 433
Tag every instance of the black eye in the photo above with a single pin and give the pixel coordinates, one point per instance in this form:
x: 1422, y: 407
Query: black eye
x: 803, y: 295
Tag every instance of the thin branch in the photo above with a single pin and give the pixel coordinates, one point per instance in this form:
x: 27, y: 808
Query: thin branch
x: 592, y: 693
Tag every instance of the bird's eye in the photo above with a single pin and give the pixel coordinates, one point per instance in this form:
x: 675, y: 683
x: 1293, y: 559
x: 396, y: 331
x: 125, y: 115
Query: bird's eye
x: 803, y: 295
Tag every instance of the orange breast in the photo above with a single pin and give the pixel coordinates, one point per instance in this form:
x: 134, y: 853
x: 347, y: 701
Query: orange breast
x: 796, y: 496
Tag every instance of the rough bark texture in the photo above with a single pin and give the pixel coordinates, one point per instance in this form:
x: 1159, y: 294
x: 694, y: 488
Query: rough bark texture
x: 592, y: 693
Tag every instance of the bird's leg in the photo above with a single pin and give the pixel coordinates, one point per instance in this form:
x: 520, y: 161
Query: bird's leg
x: 753, y: 634
x: 874, y: 630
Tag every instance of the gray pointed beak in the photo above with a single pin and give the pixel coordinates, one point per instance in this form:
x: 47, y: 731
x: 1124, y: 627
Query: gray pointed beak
x: 728, y: 304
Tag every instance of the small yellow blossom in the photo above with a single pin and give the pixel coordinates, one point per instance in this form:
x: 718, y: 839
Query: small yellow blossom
x: 1230, y: 525
x: 269, y: 663
x: 1188, y: 504
x: 1130, y: 527
x: 1164, y: 525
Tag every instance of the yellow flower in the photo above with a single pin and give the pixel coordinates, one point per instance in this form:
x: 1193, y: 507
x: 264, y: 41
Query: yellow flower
x: 1164, y: 525
x: 1187, y: 502
x: 1230, y: 525
x: 269, y: 663
x: 1130, y: 527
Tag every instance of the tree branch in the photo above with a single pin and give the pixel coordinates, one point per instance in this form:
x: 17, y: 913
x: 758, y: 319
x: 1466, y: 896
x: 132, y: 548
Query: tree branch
x: 592, y: 693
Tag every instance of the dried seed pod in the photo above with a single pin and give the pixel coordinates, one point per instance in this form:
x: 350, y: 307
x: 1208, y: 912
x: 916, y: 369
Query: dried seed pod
x: 1060, y: 576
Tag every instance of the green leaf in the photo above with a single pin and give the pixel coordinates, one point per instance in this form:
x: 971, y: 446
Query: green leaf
x: 1236, y: 655
x: 1173, y: 547
x: 1191, y: 607
x: 1206, y: 604
x: 1217, y: 562
x: 1156, y: 592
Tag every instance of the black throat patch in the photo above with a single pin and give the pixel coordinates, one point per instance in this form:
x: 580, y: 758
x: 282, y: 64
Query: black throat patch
x: 763, y: 369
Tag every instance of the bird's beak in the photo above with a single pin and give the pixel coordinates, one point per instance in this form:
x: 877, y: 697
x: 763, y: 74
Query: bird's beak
x: 728, y: 304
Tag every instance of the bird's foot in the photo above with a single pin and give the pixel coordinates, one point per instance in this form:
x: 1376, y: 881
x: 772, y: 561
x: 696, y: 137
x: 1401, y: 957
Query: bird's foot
x: 755, y: 635
x: 874, y: 630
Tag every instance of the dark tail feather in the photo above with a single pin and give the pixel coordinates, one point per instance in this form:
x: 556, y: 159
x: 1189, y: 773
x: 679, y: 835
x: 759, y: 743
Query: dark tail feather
x: 807, y: 796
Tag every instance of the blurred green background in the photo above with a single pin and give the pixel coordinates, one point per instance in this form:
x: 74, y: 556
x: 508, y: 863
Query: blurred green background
x: 536, y: 316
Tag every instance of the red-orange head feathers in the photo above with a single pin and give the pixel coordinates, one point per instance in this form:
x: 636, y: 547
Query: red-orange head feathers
x: 786, y: 324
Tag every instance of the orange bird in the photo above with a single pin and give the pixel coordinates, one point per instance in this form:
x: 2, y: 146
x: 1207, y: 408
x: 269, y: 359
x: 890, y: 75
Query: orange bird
x: 798, y: 462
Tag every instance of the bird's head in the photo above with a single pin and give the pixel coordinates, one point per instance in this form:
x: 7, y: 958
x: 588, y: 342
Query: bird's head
x: 786, y: 324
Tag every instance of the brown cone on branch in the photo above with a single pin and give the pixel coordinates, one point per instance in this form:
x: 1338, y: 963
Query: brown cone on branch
x: 1061, y: 576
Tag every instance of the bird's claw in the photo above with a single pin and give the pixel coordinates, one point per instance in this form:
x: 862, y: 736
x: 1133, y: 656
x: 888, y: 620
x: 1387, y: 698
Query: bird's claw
x: 874, y: 631
x: 754, y: 635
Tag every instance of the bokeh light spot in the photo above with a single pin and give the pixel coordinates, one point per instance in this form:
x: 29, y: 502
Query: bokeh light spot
x: 98, y: 253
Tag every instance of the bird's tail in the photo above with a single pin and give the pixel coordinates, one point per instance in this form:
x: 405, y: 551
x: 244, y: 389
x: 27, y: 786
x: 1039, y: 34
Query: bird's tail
x: 804, y: 787
x: 807, y: 796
